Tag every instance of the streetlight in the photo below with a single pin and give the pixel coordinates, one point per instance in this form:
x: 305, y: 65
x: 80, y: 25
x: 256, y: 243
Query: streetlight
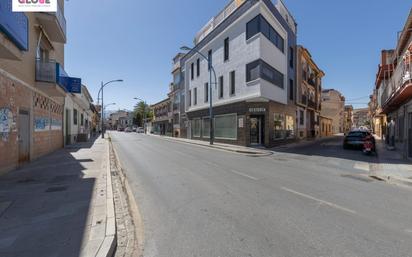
x: 144, y: 112
x: 101, y: 90
x: 211, y: 69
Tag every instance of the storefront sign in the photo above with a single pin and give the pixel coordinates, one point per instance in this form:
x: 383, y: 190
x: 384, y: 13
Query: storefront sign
x: 241, y: 123
x: 257, y: 110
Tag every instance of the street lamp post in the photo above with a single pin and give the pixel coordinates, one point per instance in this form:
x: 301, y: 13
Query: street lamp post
x: 102, y: 90
x: 144, y: 113
x: 211, y: 69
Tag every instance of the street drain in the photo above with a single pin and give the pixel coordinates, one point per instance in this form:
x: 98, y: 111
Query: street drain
x: 357, y: 177
x: 55, y: 189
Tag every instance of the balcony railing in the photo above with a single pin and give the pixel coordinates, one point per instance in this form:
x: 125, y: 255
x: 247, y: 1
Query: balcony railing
x: 46, y: 71
x: 311, y: 104
x: 401, y: 75
x: 304, y: 99
x: 215, y: 21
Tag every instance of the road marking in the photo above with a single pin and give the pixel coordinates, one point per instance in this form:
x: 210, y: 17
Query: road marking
x: 409, y: 231
x: 243, y: 174
x: 211, y: 163
x: 319, y: 200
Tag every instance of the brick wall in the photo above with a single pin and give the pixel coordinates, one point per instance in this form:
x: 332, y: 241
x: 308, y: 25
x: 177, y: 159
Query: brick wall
x: 15, y: 96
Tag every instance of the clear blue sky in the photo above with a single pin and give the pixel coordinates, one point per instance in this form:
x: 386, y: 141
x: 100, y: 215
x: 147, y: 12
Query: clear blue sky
x: 136, y: 40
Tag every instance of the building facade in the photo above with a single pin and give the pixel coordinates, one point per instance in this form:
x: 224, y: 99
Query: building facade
x: 308, y: 95
x: 325, y: 127
x: 348, y: 119
x: 177, y: 98
x: 361, y: 118
x: 162, y: 118
x: 78, y: 117
x: 33, y: 84
x: 333, y: 105
x: 120, y: 120
x: 383, y: 77
x: 252, y: 45
x: 396, y: 92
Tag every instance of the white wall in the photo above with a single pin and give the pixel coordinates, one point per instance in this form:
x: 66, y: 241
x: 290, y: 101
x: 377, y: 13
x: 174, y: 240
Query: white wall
x: 241, y: 52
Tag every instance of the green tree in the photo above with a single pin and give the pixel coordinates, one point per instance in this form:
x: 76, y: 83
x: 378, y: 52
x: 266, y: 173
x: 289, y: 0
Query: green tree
x: 141, y: 110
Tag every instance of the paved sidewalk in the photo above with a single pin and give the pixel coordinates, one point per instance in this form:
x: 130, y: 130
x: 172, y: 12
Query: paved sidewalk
x: 226, y: 147
x: 58, y: 205
x: 391, y: 166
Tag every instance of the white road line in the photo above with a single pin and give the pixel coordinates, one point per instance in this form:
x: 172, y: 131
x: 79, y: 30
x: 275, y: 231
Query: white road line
x: 243, y: 174
x: 211, y: 163
x: 319, y: 200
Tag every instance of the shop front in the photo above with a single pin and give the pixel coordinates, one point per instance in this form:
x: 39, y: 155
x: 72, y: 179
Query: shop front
x: 245, y: 123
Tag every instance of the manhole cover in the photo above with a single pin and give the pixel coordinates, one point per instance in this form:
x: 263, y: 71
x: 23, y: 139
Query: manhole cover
x: 357, y: 177
x: 56, y: 189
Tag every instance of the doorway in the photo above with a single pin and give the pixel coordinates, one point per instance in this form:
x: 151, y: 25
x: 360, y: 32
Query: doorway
x: 410, y: 135
x: 24, y: 136
x: 256, y: 130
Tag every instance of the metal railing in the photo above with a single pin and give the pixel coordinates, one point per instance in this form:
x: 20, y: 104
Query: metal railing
x: 46, y: 70
x: 215, y: 21
x: 311, y: 104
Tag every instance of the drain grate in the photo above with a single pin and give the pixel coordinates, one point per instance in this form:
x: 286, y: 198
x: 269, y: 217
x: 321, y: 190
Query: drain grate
x: 357, y: 177
x: 55, y: 189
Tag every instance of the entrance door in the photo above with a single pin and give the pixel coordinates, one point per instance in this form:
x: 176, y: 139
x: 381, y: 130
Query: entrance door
x: 255, y: 130
x: 24, y: 136
x: 67, y: 127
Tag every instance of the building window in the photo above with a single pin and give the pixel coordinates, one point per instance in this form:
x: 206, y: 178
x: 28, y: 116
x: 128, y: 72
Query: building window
x: 195, y: 96
x: 291, y: 93
x: 190, y: 98
x: 261, y: 25
x: 206, y: 92
x: 232, y: 83
x: 192, y: 71
x: 290, y: 127
x: 210, y: 59
x: 260, y: 69
x: 226, y: 51
x: 198, y: 67
x: 226, y: 126
x: 252, y: 27
x: 75, y: 118
x: 206, y: 128
x: 279, y: 126
x: 221, y: 87
x: 291, y: 57
x: 301, y: 117
x: 196, y: 127
x: 81, y: 119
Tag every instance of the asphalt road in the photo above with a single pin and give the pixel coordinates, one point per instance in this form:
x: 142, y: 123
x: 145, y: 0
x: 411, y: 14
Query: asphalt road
x: 197, y: 201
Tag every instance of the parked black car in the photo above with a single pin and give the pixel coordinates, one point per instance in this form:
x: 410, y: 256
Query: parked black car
x: 356, y: 139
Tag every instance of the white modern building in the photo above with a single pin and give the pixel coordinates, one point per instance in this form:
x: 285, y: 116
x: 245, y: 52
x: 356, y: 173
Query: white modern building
x: 252, y: 46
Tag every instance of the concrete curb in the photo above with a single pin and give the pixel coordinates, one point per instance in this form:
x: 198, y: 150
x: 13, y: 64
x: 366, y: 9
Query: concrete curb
x: 109, y: 243
x: 102, y: 239
x: 135, y: 212
x: 252, y: 152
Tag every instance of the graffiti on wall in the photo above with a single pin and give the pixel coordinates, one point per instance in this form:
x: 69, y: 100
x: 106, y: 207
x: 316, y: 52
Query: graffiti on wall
x: 41, y: 124
x: 56, y: 124
x: 7, y: 123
